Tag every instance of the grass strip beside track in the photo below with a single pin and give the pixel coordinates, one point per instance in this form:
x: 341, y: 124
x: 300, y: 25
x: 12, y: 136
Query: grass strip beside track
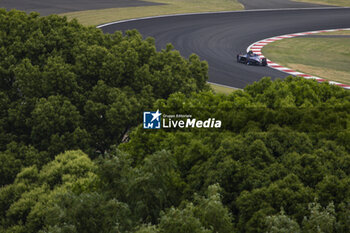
x: 327, y: 58
x: 222, y: 89
x: 96, y: 17
x: 344, y: 3
x: 340, y: 33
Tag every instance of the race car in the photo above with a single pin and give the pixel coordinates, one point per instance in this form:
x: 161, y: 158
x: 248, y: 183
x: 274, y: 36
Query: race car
x: 251, y: 58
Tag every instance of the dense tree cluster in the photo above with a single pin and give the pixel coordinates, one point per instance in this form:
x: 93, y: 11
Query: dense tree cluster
x: 279, y: 163
x: 270, y: 168
x: 64, y: 86
x: 284, y: 145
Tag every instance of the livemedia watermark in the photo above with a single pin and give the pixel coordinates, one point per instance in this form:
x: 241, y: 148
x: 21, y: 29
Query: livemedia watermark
x: 157, y: 120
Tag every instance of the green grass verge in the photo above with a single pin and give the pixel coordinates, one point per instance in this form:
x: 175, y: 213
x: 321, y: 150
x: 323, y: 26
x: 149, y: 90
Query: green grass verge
x: 343, y: 33
x: 222, y: 89
x: 327, y: 58
x: 345, y: 3
x: 96, y: 17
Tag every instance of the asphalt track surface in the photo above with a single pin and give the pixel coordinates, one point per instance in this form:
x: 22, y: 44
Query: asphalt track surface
x: 218, y: 37
x: 47, y: 7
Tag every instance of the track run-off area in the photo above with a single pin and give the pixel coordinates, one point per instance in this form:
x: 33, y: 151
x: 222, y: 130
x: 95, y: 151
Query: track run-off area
x: 219, y: 37
x: 258, y: 46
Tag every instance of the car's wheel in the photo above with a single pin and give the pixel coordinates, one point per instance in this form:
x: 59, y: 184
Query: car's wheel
x: 264, y: 62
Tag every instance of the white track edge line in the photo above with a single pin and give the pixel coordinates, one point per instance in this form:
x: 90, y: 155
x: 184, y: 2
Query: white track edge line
x: 218, y: 12
x: 225, y: 12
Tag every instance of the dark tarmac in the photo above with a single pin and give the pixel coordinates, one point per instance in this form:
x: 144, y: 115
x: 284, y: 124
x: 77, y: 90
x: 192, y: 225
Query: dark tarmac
x: 218, y: 37
x: 47, y: 7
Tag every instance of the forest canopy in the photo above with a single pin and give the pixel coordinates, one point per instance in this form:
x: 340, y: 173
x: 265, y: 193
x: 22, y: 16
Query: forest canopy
x: 64, y: 86
x: 75, y: 158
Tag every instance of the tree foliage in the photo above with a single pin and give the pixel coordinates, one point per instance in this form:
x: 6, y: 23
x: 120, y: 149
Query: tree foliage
x: 64, y: 86
x: 268, y: 155
x: 71, y: 95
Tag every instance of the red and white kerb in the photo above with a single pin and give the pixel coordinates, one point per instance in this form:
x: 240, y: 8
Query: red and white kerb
x: 257, y: 46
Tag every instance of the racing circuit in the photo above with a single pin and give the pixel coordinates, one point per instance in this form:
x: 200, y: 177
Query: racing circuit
x: 219, y: 37
x: 215, y: 37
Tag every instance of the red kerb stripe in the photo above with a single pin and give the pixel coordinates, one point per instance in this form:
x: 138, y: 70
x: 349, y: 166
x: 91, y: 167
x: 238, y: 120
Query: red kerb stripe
x: 304, y: 75
x: 289, y: 71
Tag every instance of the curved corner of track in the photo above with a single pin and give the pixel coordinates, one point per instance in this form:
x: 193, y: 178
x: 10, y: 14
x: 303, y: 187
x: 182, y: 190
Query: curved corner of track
x: 218, y: 37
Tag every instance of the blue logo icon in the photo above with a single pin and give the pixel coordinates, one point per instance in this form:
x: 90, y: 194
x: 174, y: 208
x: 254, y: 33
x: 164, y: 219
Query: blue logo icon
x: 151, y: 120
